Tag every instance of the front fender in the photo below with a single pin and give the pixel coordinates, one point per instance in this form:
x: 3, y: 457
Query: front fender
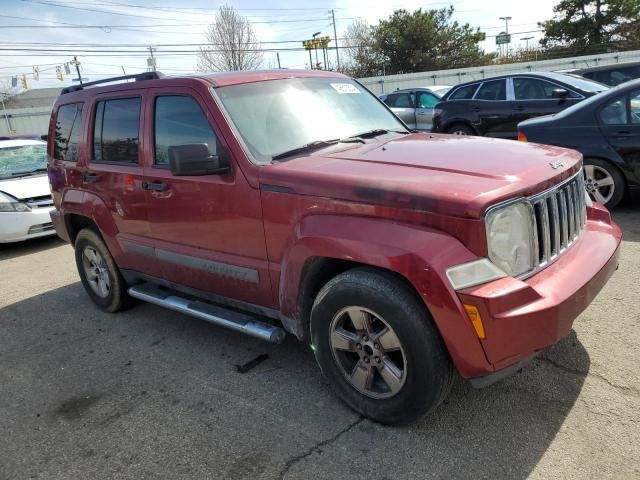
x: 419, y: 254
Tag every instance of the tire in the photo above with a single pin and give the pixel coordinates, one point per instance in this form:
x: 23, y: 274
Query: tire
x: 460, y: 129
x: 95, y: 263
x: 604, y: 182
x: 423, y: 372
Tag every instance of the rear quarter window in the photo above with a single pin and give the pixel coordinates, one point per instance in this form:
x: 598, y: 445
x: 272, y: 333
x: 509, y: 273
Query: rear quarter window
x: 68, y: 132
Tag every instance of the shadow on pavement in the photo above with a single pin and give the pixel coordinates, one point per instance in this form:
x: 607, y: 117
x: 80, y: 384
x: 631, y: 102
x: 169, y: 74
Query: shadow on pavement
x: 18, y: 249
x: 150, y: 393
x: 628, y: 219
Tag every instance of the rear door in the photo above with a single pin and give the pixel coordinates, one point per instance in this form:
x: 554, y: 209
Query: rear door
x: 403, y: 104
x: 425, y: 101
x: 620, y: 124
x: 114, y: 172
x: 207, y: 229
x: 493, y: 109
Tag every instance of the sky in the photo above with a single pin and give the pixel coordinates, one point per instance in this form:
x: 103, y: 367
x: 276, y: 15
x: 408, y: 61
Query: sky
x: 96, y: 28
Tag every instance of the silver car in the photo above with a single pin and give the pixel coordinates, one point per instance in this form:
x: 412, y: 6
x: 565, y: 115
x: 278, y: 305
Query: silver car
x: 414, y: 106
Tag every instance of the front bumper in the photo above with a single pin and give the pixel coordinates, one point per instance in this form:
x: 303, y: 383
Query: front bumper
x: 18, y: 226
x: 522, y: 317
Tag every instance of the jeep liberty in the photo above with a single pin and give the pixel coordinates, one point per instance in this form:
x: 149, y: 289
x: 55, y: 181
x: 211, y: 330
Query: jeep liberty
x: 295, y: 201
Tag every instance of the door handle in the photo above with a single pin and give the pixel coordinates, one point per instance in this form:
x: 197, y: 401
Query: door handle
x: 155, y: 186
x: 623, y: 134
x: 519, y: 108
x: 422, y: 114
x: 476, y: 109
x: 90, y: 177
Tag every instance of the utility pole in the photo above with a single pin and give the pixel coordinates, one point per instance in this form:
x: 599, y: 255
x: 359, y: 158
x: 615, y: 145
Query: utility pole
x: 77, y: 64
x: 335, y: 37
x: 151, y: 61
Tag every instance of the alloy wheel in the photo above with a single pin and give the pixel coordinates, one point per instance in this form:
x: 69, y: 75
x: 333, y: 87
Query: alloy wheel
x: 368, y: 352
x: 599, y: 183
x: 96, y: 272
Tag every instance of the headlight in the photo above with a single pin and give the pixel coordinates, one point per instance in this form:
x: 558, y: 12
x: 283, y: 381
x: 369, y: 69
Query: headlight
x: 510, y: 238
x: 10, y: 204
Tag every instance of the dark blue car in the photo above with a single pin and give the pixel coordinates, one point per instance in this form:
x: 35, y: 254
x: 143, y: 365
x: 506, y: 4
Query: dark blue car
x: 606, y: 130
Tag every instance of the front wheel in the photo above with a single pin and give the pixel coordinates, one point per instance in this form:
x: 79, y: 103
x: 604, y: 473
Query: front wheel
x: 460, y: 129
x: 378, y: 347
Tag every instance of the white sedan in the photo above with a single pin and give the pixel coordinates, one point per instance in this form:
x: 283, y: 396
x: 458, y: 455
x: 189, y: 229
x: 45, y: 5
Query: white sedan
x: 25, y: 198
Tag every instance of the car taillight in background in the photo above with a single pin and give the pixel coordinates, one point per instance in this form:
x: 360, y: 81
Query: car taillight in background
x: 522, y: 137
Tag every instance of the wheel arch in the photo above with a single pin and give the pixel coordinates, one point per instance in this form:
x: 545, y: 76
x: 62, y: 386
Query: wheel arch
x: 325, y: 246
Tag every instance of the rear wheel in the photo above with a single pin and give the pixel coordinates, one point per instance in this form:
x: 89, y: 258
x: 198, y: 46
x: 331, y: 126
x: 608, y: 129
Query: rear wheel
x: 378, y: 347
x: 460, y: 129
x: 604, y: 182
x: 99, y: 274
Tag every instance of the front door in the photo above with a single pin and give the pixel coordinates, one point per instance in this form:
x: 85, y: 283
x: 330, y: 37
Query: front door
x: 207, y: 229
x: 534, y: 98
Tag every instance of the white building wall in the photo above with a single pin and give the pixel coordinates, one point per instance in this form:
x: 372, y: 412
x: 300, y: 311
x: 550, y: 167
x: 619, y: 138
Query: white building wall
x: 20, y: 121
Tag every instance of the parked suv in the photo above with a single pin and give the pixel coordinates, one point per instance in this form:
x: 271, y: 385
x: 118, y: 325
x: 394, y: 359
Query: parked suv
x: 295, y: 201
x: 493, y: 107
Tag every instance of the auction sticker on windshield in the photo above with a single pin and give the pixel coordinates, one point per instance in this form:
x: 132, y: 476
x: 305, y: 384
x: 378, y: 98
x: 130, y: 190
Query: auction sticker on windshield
x: 345, y: 88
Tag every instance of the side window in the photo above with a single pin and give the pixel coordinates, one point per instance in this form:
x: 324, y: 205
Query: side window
x: 615, y: 113
x: 634, y: 105
x: 115, y: 130
x: 401, y: 100
x: 179, y: 120
x: 494, y: 90
x: 464, y: 93
x: 536, y: 89
x: 68, y: 132
x: 427, y: 100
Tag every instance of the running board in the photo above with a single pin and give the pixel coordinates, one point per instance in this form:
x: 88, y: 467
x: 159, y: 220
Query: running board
x: 240, y: 322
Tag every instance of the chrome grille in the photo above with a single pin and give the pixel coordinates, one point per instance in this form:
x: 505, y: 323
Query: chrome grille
x: 560, y: 216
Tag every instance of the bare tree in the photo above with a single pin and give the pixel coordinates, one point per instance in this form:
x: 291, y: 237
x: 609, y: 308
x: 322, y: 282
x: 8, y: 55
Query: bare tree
x: 233, y: 44
x: 361, y: 59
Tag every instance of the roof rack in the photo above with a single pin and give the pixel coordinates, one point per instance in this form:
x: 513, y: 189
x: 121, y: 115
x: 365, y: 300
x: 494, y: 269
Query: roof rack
x: 138, y: 77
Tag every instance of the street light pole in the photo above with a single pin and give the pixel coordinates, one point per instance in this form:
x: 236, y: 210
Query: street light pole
x: 316, y: 48
x: 506, y: 23
x: 526, y: 39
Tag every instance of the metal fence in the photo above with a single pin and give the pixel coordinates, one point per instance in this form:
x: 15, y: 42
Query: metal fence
x: 389, y: 83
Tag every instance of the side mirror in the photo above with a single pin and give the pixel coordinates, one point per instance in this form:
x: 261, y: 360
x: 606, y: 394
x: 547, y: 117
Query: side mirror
x: 560, y: 93
x: 194, y: 159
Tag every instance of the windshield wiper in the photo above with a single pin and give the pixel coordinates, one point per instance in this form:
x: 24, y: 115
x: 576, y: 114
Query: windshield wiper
x: 309, y: 147
x: 376, y: 132
x: 28, y: 172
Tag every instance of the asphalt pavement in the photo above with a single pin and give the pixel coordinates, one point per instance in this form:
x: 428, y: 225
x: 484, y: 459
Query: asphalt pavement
x: 150, y: 393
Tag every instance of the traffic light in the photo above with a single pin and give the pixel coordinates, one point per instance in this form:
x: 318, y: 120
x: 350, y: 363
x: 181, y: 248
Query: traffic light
x: 25, y: 85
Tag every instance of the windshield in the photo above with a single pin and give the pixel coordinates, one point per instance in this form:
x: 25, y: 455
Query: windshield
x: 22, y: 160
x: 281, y: 115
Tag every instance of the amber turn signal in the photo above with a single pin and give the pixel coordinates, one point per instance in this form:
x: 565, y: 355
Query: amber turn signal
x: 522, y: 137
x: 476, y: 320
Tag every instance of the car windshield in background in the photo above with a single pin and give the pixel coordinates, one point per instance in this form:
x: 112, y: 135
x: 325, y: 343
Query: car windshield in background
x: 22, y: 160
x: 282, y: 115
x: 582, y: 83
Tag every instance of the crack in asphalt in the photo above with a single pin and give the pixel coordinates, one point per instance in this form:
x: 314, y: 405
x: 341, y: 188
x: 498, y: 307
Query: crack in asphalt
x: 316, y: 448
x: 634, y: 392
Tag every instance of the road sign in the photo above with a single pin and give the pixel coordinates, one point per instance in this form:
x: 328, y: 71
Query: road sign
x: 503, y: 38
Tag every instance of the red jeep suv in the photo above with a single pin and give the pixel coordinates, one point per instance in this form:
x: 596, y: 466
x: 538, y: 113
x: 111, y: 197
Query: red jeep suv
x: 295, y: 201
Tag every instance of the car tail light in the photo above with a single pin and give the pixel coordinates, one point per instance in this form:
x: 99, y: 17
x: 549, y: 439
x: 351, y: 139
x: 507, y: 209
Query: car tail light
x: 522, y: 137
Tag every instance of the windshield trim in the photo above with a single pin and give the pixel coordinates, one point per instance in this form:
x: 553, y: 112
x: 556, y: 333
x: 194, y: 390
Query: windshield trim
x: 240, y: 139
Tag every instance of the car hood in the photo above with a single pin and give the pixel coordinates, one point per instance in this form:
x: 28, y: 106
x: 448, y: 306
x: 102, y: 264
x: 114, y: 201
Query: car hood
x: 451, y: 175
x: 26, y: 187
